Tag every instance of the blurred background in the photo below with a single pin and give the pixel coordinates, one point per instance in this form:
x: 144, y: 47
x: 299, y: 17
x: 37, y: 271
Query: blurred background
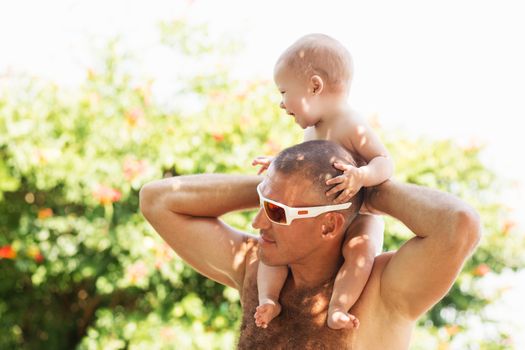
x: 98, y: 98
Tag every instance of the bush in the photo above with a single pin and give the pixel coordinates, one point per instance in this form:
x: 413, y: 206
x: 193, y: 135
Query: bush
x: 80, y: 266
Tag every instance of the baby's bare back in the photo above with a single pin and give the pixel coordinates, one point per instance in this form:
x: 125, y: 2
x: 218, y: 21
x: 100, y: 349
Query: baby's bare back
x: 338, y: 131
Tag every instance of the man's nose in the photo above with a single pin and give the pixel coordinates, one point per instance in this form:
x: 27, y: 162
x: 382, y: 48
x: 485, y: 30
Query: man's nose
x: 282, y: 105
x: 260, y: 221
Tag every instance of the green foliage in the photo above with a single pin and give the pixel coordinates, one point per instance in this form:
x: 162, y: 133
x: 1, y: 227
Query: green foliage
x: 80, y: 266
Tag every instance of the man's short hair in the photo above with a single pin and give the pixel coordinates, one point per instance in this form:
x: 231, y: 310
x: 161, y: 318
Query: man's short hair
x: 313, y: 160
x: 320, y: 54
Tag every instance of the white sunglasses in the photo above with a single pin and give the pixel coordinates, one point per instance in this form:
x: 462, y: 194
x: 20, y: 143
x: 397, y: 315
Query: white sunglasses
x: 284, y: 215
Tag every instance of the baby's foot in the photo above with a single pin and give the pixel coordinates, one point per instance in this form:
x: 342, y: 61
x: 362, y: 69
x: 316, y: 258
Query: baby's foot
x: 339, y: 319
x: 265, y: 313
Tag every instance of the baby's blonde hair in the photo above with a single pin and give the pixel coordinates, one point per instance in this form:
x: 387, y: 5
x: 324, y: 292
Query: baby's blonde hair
x: 319, y: 54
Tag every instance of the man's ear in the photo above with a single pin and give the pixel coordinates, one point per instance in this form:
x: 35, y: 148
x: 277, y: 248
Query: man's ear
x: 316, y: 84
x: 332, y: 225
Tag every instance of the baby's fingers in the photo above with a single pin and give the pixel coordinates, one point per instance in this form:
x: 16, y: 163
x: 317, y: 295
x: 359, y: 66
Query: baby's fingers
x: 263, y: 168
x: 335, y: 189
x: 336, y: 180
x: 262, y: 160
x: 257, y: 161
x: 343, y: 167
x: 344, y: 196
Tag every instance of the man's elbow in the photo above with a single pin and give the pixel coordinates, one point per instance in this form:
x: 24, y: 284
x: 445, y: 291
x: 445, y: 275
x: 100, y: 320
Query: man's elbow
x: 467, y: 229
x: 146, y: 198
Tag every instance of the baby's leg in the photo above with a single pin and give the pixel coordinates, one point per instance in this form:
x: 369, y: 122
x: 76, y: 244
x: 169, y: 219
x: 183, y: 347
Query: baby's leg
x: 363, y: 241
x: 270, y: 281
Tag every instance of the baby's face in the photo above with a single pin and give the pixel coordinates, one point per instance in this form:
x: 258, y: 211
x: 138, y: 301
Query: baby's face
x: 296, y: 98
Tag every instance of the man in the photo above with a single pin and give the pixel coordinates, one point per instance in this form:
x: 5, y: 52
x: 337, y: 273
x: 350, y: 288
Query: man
x: 403, y: 285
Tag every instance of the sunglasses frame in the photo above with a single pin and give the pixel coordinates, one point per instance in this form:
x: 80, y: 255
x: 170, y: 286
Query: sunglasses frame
x: 292, y: 213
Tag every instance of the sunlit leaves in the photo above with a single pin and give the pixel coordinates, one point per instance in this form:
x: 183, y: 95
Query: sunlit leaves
x: 74, y: 247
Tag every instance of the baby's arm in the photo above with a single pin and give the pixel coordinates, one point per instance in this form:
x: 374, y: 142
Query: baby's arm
x: 264, y: 162
x: 378, y: 169
x: 270, y: 281
x: 363, y: 241
x: 367, y: 144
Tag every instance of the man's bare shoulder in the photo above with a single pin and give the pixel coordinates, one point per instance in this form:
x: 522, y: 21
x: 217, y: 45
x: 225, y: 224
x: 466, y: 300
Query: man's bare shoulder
x: 380, y: 263
x: 376, y: 316
x: 375, y: 289
x: 371, y: 295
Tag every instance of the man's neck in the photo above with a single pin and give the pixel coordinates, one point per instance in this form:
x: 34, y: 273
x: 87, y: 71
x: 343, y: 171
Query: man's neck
x: 316, y: 269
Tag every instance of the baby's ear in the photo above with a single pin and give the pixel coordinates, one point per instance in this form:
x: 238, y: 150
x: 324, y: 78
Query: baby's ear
x: 316, y: 84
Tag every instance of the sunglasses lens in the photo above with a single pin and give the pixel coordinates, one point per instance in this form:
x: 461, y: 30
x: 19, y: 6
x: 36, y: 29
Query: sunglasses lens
x: 275, y: 212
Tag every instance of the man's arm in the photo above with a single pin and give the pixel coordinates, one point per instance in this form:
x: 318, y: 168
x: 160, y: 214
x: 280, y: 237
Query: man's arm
x: 422, y: 271
x: 184, y: 210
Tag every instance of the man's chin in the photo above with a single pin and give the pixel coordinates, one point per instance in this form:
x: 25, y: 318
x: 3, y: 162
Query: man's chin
x: 266, y: 259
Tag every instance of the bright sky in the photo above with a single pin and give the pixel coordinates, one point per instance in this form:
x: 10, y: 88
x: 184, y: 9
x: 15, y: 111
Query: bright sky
x: 445, y: 68
x: 442, y: 69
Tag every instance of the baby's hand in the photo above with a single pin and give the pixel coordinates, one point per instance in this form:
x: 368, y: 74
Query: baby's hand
x: 263, y: 161
x: 349, y: 183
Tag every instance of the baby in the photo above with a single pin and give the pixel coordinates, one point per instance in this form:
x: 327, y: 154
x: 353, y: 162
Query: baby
x: 314, y: 77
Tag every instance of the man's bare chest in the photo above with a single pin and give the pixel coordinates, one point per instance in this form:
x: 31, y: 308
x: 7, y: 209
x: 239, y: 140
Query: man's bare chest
x: 301, y: 324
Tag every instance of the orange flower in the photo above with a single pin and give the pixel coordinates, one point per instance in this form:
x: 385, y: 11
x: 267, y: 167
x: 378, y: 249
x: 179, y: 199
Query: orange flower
x: 218, y: 136
x: 508, y: 225
x: 241, y: 96
x: 94, y: 99
x: 40, y: 157
x: 481, y: 270
x: 45, y: 213
x: 91, y: 74
x: 272, y: 147
x: 167, y: 334
x: 472, y: 145
x: 134, y: 168
x: 452, y: 330
x: 7, y: 252
x: 106, y: 195
x: 244, y: 121
x: 217, y: 97
x: 137, y: 271
x: 163, y: 254
x: 135, y: 117
x: 39, y: 258
x: 144, y: 92
x: 34, y: 253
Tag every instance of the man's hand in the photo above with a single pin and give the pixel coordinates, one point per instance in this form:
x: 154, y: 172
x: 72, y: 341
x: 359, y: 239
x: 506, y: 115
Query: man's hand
x: 263, y: 161
x: 349, y: 183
